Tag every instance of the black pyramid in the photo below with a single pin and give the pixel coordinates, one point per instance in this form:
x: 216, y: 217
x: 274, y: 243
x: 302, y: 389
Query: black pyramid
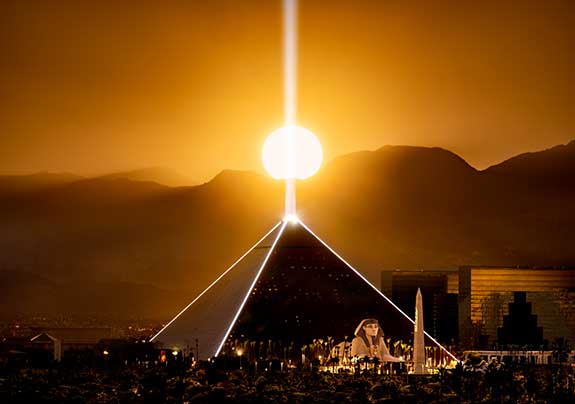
x: 289, y: 287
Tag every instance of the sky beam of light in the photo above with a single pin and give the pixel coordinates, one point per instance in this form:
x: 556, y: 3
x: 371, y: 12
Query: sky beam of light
x: 290, y: 60
x: 290, y: 93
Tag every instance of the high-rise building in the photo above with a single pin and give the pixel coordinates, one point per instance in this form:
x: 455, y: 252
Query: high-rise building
x: 439, y: 291
x: 520, y: 325
x: 487, y: 293
x: 470, y: 304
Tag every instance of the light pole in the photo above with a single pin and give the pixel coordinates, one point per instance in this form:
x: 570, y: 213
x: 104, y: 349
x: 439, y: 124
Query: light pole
x: 239, y: 352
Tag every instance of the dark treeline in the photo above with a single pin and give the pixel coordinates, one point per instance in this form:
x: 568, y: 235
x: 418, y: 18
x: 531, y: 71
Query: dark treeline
x: 81, y: 379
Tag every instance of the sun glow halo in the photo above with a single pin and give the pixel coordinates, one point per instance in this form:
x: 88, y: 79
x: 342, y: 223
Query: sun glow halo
x: 292, y: 152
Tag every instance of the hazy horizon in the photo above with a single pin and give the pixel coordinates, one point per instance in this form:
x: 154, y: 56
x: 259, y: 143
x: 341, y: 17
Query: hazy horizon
x: 188, y: 178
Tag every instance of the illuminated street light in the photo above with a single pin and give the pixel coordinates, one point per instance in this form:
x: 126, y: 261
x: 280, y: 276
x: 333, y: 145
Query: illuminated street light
x: 239, y: 352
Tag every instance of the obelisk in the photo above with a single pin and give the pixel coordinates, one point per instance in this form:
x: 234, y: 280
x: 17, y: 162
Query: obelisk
x: 419, y: 337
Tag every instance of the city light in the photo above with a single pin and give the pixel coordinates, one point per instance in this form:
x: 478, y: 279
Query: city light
x: 240, y: 353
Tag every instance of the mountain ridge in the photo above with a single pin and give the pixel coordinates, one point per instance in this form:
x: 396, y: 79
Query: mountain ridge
x: 172, y: 178
x: 395, y: 207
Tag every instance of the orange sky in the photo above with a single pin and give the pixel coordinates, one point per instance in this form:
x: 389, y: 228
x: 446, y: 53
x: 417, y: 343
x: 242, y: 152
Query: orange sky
x: 99, y: 86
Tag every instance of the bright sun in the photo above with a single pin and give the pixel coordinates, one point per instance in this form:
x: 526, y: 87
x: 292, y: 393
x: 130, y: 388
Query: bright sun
x: 292, y: 152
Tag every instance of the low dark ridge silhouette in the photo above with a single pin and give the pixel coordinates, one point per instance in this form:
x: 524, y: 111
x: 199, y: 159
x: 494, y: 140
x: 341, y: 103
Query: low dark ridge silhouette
x: 398, y: 206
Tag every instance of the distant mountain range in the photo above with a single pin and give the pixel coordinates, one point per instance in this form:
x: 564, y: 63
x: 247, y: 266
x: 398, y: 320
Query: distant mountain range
x: 132, y: 245
x: 161, y: 175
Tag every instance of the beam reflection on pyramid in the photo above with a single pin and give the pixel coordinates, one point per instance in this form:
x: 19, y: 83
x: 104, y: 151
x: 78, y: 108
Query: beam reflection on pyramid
x: 290, y: 288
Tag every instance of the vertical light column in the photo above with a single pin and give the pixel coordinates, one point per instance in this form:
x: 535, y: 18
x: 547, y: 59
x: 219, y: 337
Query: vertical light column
x: 290, y: 96
x: 290, y: 60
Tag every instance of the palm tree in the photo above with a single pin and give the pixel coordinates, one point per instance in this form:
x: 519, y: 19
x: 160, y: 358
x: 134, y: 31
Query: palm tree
x: 346, y: 350
x: 252, y: 345
x: 376, y: 362
x: 329, y: 343
x: 318, y: 347
x: 560, y: 350
x: 260, y: 349
x: 304, y: 351
x: 333, y: 362
x: 396, y: 344
x: 366, y: 360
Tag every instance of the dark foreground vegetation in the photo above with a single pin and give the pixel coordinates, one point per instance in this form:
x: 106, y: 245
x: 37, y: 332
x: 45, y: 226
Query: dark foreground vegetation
x: 209, y: 383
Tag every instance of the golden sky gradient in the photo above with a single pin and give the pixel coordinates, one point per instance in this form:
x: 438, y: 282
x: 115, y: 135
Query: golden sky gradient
x: 96, y: 86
